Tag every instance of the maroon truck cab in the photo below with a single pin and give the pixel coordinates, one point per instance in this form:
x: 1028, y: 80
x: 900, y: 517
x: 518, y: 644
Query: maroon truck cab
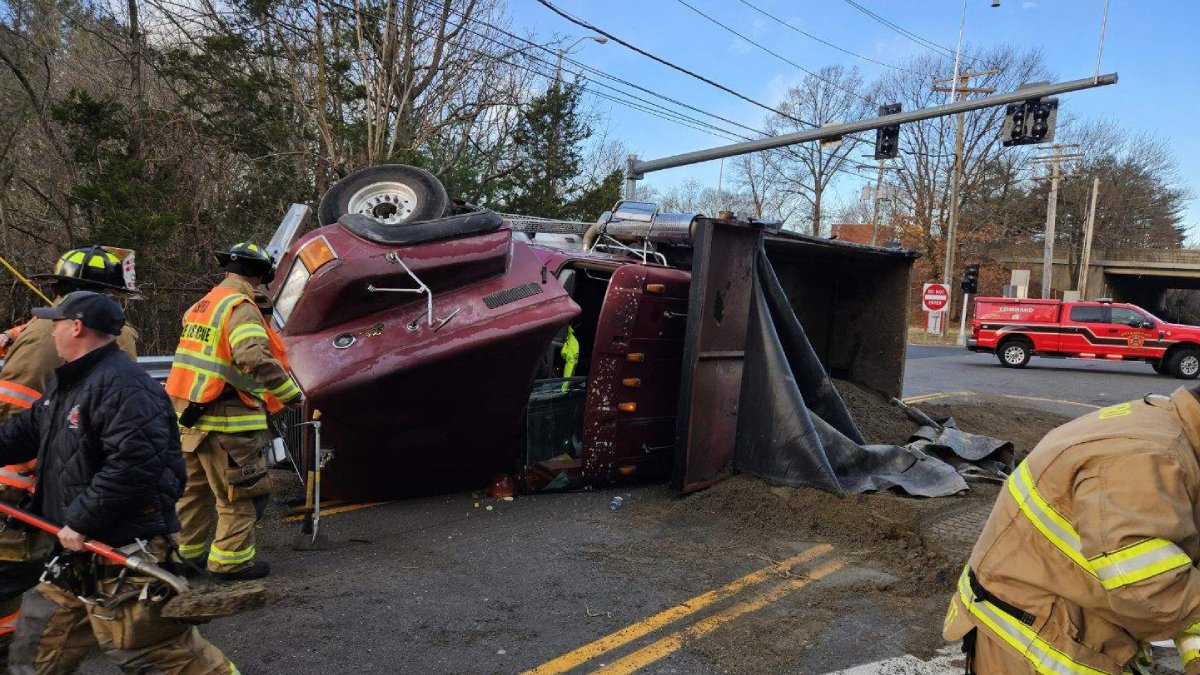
x: 1015, y: 329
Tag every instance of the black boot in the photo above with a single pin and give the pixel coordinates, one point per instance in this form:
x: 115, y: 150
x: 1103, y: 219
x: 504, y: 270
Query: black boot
x: 257, y: 570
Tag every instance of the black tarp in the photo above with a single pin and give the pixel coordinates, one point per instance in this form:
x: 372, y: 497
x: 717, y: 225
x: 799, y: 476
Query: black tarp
x: 793, y: 427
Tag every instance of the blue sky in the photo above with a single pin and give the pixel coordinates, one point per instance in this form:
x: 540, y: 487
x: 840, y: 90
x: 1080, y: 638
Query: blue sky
x: 1151, y: 44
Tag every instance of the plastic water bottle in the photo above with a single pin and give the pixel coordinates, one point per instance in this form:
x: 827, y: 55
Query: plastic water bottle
x: 616, y: 503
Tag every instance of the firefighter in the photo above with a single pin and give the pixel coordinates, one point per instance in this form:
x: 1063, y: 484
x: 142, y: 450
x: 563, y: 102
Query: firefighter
x: 1090, y: 551
x: 226, y: 376
x: 30, y: 360
x: 570, y: 355
x: 109, y: 468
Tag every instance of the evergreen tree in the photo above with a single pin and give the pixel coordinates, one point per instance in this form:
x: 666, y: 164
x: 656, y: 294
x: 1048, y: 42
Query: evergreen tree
x: 547, y: 177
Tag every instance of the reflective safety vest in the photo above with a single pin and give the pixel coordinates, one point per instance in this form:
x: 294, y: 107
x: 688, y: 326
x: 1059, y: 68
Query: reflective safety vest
x: 204, y: 359
x: 279, y: 351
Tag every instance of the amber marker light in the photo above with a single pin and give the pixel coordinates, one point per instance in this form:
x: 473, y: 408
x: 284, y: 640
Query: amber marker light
x: 656, y: 288
x: 627, y: 407
x: 636, y: 357
x: 631, y: 382
x: 316, y: 253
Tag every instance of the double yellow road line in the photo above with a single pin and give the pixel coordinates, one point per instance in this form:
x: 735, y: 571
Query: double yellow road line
x: 671, y: 643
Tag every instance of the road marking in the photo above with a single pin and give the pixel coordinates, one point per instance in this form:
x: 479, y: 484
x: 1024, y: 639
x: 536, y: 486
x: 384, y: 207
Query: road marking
x: 925, y: 398
x: 936, y: 395
x: 634, y: 631
x: 1049, y: 400
x: 339, y: 509
x: 673, y: 642
x: 324, y: 505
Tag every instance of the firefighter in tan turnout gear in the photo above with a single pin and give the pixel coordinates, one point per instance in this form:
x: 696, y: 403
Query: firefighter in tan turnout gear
x: 30, y: 360
x: 227, y: 374
x: 1090, y: 551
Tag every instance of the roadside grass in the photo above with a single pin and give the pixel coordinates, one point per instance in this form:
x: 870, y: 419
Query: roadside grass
x: 918, y: 336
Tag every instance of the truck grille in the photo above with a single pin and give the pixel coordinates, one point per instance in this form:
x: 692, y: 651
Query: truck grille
x: 511, y: 295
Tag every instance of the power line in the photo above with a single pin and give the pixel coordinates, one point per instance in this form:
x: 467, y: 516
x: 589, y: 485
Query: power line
x: 776, y: 54
x: 724, y: 132
x: 822, y: 41
x: 659, y: 59
x: 658, y: 111
x: 904, y: 32
x: 614, y: 78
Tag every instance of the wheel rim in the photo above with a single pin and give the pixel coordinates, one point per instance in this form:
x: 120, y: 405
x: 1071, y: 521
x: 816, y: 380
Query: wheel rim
x: 1189, y: 365
x: 387, y: 202
x: 1014, y: 354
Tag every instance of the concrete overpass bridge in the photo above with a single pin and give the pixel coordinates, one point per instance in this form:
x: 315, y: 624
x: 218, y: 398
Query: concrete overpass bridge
x: 1138, y: 276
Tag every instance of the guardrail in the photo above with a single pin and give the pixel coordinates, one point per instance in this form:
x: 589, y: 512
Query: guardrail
x: 287, y: 421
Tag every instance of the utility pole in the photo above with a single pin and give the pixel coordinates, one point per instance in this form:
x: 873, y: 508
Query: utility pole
x: 962, y: 88
x: 880, y: 168
x: 1055, y: 162
x: 875, y: 209
x: 1087, y: 241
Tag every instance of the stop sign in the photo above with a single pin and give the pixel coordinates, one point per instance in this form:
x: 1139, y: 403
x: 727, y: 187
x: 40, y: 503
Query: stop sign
x: 935, y: 297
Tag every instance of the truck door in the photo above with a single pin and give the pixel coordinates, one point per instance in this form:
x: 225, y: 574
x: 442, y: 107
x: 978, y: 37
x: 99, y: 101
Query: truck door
x: 1136, y: 329
x: 633, y: 387
x: 1088, y: 330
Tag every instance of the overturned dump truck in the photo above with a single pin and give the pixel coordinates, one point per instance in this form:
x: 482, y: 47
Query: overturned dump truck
x: 429, y: 334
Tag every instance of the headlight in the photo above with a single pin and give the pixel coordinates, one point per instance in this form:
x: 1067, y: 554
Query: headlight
x: 312, y: 256
x: 290, y: 292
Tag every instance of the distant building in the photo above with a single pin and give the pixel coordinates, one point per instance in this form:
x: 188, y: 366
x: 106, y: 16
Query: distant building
x: 860, y: 233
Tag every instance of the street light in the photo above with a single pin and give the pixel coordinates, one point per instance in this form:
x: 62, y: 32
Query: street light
x: 562, y: 52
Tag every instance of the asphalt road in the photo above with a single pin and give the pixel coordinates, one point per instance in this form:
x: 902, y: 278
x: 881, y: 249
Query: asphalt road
x: 1058, y: 383
x: 438, y: 585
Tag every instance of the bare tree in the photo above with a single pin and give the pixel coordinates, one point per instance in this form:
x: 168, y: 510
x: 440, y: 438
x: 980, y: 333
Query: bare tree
x: 927, y: 146
x: 757, y: 177
x: 832, y: 94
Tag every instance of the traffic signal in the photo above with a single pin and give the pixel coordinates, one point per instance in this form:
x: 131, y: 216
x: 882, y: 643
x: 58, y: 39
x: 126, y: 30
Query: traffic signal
x: 1044, y: 112
x: 1029, y: 122
x: 970, y: 279
x: 887, y: 139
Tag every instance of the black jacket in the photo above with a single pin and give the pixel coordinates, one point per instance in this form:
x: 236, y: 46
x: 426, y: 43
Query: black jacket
x: 107, y: 444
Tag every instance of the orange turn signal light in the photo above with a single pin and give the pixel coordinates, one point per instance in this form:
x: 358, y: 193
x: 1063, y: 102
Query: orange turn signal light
x: 631, y: 382
x: 316, y: 253
x: 627, y: 407
x: 635, y: 357
x: 627, y: 470
x: 656, y: 288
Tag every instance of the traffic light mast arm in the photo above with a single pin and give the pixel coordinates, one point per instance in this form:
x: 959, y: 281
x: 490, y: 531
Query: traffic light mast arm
x: 637, y: 168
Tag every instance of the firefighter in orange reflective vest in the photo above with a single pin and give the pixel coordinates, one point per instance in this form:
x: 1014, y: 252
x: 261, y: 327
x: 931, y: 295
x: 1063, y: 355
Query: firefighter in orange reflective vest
x: 1090, y: 551
x: 30, y: 360
x: 227, y: 375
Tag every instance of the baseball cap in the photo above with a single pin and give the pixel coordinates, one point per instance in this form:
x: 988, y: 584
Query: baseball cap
x: 96, y: 310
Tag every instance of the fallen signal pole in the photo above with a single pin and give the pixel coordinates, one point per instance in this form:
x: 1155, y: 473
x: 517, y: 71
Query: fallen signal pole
x: 638, y: 169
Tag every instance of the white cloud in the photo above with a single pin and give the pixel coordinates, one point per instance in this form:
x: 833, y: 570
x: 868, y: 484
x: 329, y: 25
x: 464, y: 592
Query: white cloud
x: 1029, y: 5
x: 740, y: 46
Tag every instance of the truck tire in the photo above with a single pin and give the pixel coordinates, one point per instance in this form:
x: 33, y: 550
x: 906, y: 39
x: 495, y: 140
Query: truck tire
x: 392, y: 194
x: 1184, y: 364
x: 1014, y: 353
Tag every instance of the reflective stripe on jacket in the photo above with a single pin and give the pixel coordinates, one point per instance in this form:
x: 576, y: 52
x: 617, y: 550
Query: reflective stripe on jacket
x: 18, y: 476
x: 30, y: 363
x: 1093, y: 541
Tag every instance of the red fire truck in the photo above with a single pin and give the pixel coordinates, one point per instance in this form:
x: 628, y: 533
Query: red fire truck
x: 1015, y: 329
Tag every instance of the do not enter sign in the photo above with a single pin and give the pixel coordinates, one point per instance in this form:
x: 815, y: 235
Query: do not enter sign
x: 935, y: 297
